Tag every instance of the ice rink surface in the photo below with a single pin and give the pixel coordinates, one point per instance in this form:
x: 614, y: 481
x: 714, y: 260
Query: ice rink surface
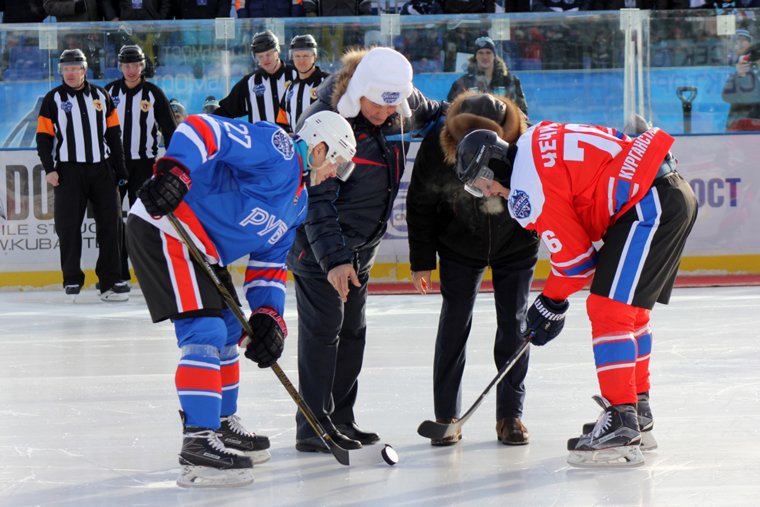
x: 88, y: 412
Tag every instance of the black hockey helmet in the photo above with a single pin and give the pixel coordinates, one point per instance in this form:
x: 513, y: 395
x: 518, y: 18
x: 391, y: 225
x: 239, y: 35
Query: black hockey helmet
x: 306, y: 41
x: 483, y: 154
x: 131, y: 54
x: 73, y: 56
x: 264, y: 41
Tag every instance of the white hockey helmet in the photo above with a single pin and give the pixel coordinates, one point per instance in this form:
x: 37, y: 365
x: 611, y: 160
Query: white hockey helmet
x: 332, y: 129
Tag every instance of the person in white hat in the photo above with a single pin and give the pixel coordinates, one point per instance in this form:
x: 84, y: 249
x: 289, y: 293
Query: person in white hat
x: 335, y: 248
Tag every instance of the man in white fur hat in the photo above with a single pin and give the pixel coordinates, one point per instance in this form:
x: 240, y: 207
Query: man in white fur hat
x: 335, y: 248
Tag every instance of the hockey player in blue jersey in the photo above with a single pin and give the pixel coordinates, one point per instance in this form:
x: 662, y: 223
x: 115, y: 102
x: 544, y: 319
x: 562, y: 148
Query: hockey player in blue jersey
x: 239, y: 189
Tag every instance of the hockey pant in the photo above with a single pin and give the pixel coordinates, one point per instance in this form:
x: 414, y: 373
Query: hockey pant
x: 208, y: 372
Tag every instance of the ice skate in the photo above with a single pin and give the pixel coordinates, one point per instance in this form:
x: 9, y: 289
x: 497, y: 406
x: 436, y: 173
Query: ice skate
x: 118, y: 293
x: 613, y: 442
x: 234, y: 436
x: 72, y: 291
x: 646, y: 424
x: 206, y: 462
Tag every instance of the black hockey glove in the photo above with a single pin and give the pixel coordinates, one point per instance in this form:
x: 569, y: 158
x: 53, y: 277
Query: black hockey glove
x: 165, y: 190
x: 268, y: 340
x: 545, y: 319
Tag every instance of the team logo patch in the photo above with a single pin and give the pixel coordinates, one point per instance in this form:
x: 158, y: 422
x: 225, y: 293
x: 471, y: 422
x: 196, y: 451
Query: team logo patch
x: 391, y: 97
x: 313, y: 94
x: 97, y: 104
x: 116, y: 100
x: 290, y: 94
x: 67, y: 106
x: 144, y: 106
x: 283, y: 143
x: 259, y: 90
x: 519, y: 204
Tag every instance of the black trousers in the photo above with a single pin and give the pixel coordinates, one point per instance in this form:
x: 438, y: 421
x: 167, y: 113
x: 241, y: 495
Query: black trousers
x: 139, y: 172
x: 459, y: 288
x: 331, y: 339
x: 78, y: 184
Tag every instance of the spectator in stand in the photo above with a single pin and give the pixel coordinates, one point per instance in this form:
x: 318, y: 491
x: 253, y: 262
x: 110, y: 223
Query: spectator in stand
x: 258, y: 94
x: 143, y: 10
x: 467, y: 6
x: 202, y: 9
x: 488, y: 73
x: 742, y: 42
x: 269, y: 8
x: 560, y: 5
x: 302, y: 91
x: 66, y: 11
x: 337, y: 7
x: 742, y: 91
x: 23, y: 11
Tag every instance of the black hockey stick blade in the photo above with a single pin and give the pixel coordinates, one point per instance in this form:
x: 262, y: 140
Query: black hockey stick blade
x: 436, y: 431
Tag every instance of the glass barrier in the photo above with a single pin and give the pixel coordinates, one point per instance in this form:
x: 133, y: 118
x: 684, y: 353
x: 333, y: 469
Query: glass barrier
x: 571, y: 66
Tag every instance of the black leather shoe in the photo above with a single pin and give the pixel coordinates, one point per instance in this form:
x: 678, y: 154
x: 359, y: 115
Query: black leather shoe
x: 351, y: 430
x: 315, y: 444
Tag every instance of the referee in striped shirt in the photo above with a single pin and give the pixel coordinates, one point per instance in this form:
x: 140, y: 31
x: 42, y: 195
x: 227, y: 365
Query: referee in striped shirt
x: 301, y: 92
x: 143, y: 110
x: 258, y: 95
x: 78, y: 135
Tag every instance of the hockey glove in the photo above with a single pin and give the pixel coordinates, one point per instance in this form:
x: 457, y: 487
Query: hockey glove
x: 545, y: 319
x: 268, y: 340
x: 165, y: 190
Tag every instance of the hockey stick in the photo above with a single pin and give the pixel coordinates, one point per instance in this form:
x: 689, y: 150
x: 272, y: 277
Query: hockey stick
x: 340, y: 453
x: 437, y: 431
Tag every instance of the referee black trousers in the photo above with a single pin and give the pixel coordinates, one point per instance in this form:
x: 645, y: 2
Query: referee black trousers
x: 459, y: 288
x: 331, y: 339
x: 78, y: 184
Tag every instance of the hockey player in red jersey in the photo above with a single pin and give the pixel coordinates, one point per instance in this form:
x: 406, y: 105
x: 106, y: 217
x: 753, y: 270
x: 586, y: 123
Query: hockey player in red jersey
x: 612, y: 210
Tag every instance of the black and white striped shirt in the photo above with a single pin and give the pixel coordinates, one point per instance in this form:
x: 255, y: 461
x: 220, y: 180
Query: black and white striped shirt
x: 257, y: 95
x: 77, y: 126
x: 143, y: 111
x: 298, y: 96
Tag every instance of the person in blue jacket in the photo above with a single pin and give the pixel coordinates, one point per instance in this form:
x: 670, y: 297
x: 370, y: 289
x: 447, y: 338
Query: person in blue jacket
x: 238, y: 189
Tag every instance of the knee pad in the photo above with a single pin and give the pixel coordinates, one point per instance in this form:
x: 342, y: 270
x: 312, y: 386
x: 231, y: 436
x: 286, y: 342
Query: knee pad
x: 201, y: 331
x: 608, y: 316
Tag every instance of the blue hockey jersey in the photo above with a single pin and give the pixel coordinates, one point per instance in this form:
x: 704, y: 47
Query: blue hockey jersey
x: 247, y: 198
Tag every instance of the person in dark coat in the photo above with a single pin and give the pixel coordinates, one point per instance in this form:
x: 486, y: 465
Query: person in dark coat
x: 335, y: 249
x: 468, y: 235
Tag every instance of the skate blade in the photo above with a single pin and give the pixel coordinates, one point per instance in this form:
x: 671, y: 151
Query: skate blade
x: 624, y: 456
x: 208, y: 477
x: 648, y: 442
x: 259, y: 457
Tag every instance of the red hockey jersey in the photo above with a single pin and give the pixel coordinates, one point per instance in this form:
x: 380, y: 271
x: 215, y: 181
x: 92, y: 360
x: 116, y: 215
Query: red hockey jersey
x: 570, y: 182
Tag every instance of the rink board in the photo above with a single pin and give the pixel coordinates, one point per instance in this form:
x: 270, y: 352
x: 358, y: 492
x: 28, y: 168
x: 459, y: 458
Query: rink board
x: 720, y: 168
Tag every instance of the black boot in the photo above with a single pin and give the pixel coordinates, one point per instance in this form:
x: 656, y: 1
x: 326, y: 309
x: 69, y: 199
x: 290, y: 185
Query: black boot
x: 315, y: 444
x: 352, y: 431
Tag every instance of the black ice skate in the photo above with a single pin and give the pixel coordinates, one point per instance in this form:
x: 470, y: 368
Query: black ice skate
x: 206, y: 462
x: 234, y: 436
x: 646, y: 423
x: 614, y: 440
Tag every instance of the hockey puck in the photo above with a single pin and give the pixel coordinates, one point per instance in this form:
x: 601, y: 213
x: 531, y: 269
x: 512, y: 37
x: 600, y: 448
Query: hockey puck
x: 389, y: 454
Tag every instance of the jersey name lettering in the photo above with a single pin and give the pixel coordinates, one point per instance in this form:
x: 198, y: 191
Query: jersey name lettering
x: 272, y: 224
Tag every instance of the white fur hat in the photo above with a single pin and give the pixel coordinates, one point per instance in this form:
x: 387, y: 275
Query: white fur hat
x: 383, y: 76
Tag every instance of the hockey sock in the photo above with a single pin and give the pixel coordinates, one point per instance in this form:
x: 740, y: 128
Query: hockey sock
x: 643, y: 337
x: 230, y: 369
x: 615, y: 348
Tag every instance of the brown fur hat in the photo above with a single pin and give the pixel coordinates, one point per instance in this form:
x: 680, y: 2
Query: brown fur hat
x: 471, y: 111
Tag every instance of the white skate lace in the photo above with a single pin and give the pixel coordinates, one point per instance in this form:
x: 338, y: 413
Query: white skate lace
x: 234, y: 424
x: 602, y: 424
x: 213, y: 440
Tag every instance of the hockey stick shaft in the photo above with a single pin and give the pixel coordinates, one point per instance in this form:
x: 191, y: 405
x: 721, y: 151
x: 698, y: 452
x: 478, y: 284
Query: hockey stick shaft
x: 435, y: 430
x: 340, y: 454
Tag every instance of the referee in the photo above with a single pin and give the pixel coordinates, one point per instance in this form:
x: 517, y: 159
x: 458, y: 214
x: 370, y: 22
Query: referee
x: 301, y: 92
x: 258, y: 95
x: 77, y: 132
x: 143, y: 110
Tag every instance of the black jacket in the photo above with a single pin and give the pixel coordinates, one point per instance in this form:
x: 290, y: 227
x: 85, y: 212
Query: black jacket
x: 443, y: 218
x: 347, y: 220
